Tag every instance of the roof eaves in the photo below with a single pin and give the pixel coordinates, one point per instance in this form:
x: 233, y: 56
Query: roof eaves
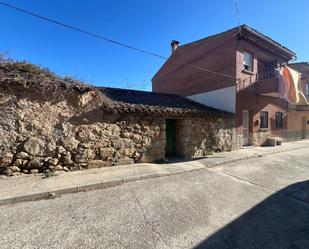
x: 267, y: 39
x: 300, y: 63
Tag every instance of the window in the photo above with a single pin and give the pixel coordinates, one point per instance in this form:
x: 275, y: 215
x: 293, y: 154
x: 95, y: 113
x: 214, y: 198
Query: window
x: 278, y: 119
x: 248, y: 61
x: 307, y: 89
x: 264, y: 120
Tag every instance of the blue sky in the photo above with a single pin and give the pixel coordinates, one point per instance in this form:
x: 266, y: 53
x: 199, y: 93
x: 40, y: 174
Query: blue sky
x: 149, y: 25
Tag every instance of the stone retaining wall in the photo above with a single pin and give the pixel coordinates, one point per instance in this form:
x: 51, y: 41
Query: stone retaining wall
x: 261, y: 138
x: 41, y: 135
x: 203, y: 136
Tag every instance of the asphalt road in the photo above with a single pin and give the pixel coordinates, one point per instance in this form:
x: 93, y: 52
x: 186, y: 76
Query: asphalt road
x: 258, y: 203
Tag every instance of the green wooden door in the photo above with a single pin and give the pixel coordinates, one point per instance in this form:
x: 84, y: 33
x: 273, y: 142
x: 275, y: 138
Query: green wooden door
x: 170, y: 137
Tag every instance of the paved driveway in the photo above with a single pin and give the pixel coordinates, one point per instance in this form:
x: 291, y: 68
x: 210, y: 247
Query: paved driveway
x: 258, y: 203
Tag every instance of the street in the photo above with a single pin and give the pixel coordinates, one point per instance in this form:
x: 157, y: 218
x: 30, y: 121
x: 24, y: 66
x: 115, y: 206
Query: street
x: 256, y: 203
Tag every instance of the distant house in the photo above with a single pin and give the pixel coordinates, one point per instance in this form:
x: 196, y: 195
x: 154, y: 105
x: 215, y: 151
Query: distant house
x: 234, y: 71
x: 298, y: 121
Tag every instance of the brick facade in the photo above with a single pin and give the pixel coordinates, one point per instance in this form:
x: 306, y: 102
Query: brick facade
x: 216, y: 53
x: 254, y: 103
x: 250, y: 98
x: 224, y: 53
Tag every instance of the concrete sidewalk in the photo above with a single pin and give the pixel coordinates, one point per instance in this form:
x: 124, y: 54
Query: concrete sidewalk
x: 34, y: 187
x: 251, y: 152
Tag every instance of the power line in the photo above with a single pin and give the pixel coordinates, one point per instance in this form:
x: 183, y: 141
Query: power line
x: 108, y: 39
x: 79, y: 30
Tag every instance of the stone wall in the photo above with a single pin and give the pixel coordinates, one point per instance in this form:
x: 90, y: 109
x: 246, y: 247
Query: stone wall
x: 42, y: 136
x: 261, y: 138
x: 203, y: 136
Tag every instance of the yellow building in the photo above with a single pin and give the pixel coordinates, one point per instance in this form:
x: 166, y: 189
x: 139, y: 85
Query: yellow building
x: 298, y: 115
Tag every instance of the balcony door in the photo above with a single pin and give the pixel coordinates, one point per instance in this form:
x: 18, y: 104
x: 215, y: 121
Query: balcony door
x: 245, y: 127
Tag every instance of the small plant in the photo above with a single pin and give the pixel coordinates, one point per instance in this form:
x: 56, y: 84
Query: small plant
x: 49, y: 174
x: 210, y: 153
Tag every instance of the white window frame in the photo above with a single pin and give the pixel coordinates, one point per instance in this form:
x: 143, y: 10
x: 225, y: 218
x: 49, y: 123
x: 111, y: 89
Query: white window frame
x: 248, y: 61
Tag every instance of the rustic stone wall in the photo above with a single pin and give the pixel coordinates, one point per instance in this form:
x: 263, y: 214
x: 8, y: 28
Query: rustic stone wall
x: 49, y: 123
x: 203, y: 136
x: 42, y: 136
x: 213, y: 135
x: 260, y: 138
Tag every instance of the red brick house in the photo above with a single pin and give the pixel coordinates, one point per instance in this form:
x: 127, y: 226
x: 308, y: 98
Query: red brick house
x: 233, y: 71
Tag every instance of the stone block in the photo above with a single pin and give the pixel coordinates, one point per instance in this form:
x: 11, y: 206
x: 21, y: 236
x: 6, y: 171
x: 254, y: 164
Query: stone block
x: 136, y: 138
x: 98, y: 164
x: 106, y: 152
x: 35, y: 163
x: 125, y: 160
x: 22, y: 155
x: 127, y: 152
x: 7, y: 159
x: 117, y: 143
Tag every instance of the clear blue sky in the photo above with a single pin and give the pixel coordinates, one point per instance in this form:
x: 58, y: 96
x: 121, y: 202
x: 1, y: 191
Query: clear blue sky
x: 149, y: 25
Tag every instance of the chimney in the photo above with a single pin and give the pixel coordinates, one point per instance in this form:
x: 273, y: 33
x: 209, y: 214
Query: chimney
x: 175, y: 45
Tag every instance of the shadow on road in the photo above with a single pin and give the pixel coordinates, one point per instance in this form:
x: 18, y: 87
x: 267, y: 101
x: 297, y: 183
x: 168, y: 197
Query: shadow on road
x: 279, y: 222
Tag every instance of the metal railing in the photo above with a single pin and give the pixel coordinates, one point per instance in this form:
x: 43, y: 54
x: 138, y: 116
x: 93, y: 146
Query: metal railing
x: 264, y: 75
x: 302, y: 107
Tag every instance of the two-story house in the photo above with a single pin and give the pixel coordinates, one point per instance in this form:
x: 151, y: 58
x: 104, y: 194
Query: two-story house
x: 233, y: 71
x: 298, y: 115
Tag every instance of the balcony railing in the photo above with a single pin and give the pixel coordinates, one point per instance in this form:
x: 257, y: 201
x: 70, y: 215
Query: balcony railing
x: 261, y: 76
x: 302, y: 107
x: 266, y: 74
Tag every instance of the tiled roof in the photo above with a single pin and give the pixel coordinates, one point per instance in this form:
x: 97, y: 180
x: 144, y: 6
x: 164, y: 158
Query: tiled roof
x: 29, y: 77
x: 267, y: 38
x: 123, y: 100
x: 300, y: 63
x: 302, y: 67
x: 245, y: 27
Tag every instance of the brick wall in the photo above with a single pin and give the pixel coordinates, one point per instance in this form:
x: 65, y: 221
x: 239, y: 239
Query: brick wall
x: 250, y: 100
x: 254, y: 103
x: 217, y: 53
x: 224, y: 53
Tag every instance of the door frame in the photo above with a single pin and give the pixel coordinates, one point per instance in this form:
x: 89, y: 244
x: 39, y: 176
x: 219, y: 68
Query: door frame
x: 245, y: 127
x: 170, y: 147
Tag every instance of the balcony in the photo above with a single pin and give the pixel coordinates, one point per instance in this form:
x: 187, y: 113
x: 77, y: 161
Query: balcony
x: 266, y: 74
x: 299, y: 107
x: 268, y: 87
x: 263, y: 83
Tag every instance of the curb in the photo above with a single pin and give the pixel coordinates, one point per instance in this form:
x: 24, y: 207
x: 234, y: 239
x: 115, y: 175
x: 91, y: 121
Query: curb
x: 89, y: 187
x: 251, y: 157
x: 84, y: 188
x: 116, y: 182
